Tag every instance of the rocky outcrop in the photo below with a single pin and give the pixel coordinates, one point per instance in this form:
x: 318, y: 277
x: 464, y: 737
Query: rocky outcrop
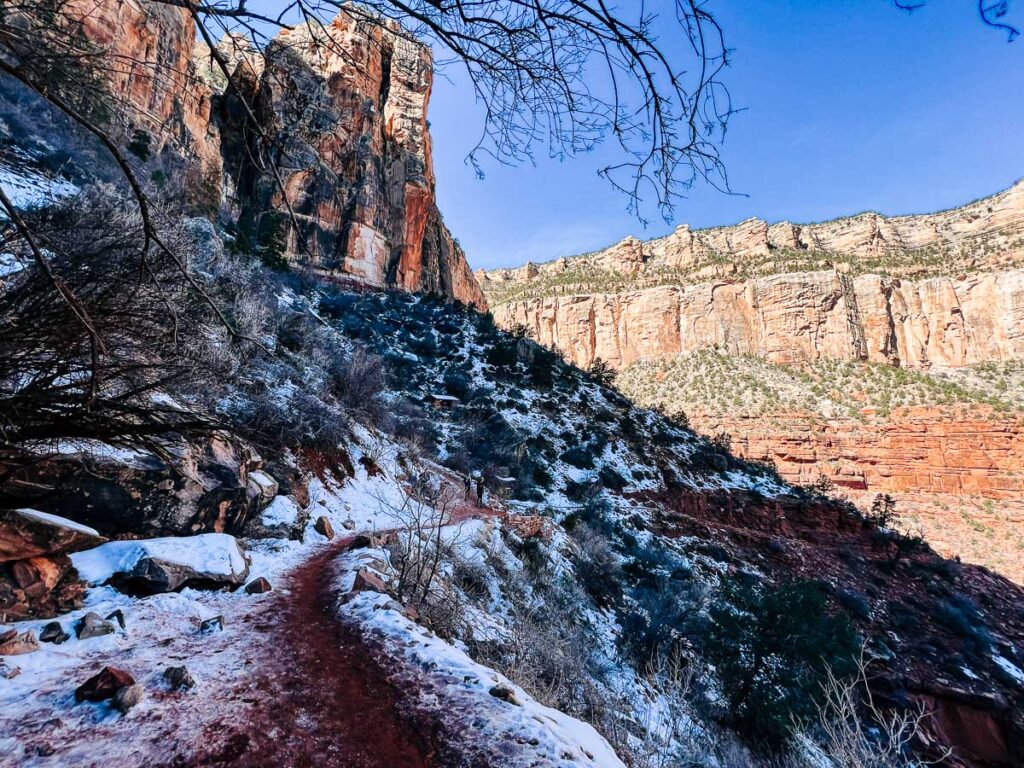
x: 959, y: 452
x: 200, y: 486
x: 147, y: 54
x: 343, y: 116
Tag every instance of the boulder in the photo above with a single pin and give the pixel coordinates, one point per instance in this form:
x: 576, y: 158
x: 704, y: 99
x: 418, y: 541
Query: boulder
x: 117, y: 616
x: 504, y: 693
x: 261, y: 489
x: 127, y: 697
x: 179, y: 679
x: 323, y: 527
x: 104, y: 685
x: 152, y: 566
x: 368, y: 581
x: 29, y: 533
x: 282, y: 518
x: 258, y: 586
x: 213, y: 624
x: 39, y: 587
x: 13, y: 643
x: 91, y: 625
x: 54, y: 633
x: 205, y: 488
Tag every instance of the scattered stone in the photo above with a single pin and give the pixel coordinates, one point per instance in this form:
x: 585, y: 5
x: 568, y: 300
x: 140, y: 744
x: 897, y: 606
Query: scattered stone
x: 504, y: 693
x: 117, y: 616
x: 258, y: 586
x: 179, y: 678
x: 323, y: 527
x: 8, y: 673
x: 213, y: 624
x: 91, y: 625
x: 349, y: 525
x: 127, y: 697
x: 368, y: 581
x: 54, y: 633
x: 14, y: 644
x: 104, y: 685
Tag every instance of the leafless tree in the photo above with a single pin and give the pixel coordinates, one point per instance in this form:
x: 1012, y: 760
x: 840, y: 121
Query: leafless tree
x: 861, y: 733
x: 425, y: 543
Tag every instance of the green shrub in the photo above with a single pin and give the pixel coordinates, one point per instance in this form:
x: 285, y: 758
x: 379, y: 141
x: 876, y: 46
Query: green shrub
x: 772, y: 648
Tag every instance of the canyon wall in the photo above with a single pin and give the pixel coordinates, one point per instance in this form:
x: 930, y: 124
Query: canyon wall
x: 924, y: 449
x: 942, y: 289
x: 790, y: 318
x: 335, y: 173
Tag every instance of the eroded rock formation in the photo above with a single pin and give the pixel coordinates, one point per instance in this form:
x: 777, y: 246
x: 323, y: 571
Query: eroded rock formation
x: 791, y: 318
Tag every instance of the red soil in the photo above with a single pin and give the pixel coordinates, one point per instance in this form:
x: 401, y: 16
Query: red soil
x: 321, y: 700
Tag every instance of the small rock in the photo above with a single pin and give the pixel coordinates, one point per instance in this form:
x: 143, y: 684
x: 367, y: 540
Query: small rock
x: 349, y: 525
x: 91, y: 625
x: 258, y: 586
x: 323, y: 527
x: 179, y: 678
x: 368, y: 581
x: 9, y: 673
x: 213, y: 624
x: 117, y: 616
x: 54, y: 633
x: 127, y: 697
x: 18, y: 644
x: 104, y: 685
x: 504, y: 693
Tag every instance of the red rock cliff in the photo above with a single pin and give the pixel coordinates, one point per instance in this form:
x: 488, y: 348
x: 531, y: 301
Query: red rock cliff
x: 343, y: 112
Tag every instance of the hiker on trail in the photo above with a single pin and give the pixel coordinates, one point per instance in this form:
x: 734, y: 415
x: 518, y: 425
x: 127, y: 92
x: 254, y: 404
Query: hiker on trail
x: 467, y: 485
x: 480, y: 490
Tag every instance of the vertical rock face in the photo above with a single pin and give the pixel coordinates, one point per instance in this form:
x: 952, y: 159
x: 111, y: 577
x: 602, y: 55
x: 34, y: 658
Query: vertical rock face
x: 941, y: 289
x: 791, y: 318
x: 342, y: 114
x: 148, y: 61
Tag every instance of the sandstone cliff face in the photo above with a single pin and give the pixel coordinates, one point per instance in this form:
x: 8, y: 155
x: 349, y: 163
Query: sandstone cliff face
x: 938, y: 289
x: 791, y: 318
x: 343, y: 114
x: 148, y: 52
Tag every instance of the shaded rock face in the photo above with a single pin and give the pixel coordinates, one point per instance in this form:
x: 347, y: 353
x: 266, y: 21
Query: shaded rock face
x: 205, y: 490
x: 148, y: 60
x: 345, y: 110
x: 39, y: 587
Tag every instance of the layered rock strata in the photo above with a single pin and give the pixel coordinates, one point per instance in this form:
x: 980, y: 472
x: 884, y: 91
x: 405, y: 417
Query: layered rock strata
x: 940, y: 289
x: 791, y: 318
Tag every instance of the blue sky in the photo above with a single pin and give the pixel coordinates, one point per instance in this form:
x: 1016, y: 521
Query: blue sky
x: 851, y: 105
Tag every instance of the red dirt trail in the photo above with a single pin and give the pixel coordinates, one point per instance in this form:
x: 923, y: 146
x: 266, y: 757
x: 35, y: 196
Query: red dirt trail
x: 319, y: 699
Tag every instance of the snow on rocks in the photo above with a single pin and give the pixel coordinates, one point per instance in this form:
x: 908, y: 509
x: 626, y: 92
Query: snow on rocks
x: 26, y: 533
x: 166, y: 564
x: 494, y: 720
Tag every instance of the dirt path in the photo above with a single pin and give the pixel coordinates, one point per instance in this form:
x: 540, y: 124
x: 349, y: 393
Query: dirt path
x: 320, y: 700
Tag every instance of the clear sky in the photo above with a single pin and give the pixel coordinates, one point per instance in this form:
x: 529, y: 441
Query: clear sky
x: 851, y: 105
